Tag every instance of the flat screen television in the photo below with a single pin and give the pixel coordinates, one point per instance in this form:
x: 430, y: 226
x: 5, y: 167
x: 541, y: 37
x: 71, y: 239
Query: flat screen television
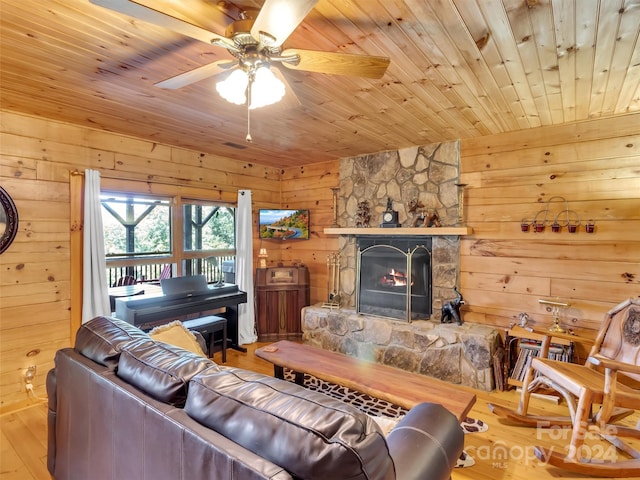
x: 283, y: 224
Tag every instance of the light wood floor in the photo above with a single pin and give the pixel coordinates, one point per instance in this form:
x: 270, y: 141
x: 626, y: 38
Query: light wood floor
x: 502, y: 452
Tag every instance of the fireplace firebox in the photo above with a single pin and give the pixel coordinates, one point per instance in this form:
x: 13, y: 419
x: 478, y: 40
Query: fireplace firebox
x: 394, y: 277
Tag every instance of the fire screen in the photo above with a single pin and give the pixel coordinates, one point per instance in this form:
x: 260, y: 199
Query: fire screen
x: 394, y: 277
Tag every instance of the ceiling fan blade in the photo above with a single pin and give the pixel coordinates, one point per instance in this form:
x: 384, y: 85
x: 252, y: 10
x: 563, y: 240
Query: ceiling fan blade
x: 197, y: 74
x: 278, y: 18
x: 337, y: 63
x: 150, y: 15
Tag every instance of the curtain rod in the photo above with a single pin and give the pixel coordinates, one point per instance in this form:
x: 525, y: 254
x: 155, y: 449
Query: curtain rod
x: 77, y: 173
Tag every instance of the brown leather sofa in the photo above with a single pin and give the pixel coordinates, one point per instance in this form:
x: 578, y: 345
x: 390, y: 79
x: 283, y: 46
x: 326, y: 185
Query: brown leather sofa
x: 123, y: 406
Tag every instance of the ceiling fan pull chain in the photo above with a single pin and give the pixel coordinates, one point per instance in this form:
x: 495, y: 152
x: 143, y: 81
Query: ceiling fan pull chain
x: 249, y: 140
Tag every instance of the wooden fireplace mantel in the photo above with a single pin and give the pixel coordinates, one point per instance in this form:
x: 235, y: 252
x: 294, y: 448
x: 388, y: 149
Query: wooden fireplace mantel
x: 402, y: 231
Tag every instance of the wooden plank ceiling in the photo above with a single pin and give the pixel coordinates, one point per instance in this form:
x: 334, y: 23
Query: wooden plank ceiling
x: 459, y: 69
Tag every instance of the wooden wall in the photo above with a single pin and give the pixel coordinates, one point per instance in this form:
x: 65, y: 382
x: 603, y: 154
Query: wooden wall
x: 310, y: 187
x: 36, y: 157
x: 595, y: 166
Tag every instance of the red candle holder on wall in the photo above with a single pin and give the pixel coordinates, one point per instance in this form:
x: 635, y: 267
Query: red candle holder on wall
x: 590, y: 226
x: 565, y: 218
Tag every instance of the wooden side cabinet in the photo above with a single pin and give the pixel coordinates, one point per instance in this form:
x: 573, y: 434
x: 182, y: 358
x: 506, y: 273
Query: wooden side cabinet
x: 281, y: 293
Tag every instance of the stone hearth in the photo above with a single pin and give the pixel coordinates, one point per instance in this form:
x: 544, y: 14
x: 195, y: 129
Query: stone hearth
x: 457, y: 354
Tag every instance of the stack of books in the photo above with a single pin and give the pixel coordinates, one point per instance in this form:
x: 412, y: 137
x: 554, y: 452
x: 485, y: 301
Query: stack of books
x: 531, y: 348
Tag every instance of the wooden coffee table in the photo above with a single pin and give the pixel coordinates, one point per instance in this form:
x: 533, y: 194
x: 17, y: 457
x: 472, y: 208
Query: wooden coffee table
x: 397, y: 386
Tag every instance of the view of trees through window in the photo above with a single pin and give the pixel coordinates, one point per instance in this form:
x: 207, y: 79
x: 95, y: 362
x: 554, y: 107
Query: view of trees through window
x: 138, y: 228
x: 136, y: 225
x: 208, y: 227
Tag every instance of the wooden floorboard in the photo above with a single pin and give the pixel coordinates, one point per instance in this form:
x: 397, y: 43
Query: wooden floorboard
x: 502, y: 452
x: 24, y: 448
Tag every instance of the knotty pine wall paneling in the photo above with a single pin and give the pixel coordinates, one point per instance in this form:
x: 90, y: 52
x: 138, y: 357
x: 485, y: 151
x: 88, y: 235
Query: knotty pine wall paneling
x: 36, y: 158
x: 595, y: 166
x: 310, y: 187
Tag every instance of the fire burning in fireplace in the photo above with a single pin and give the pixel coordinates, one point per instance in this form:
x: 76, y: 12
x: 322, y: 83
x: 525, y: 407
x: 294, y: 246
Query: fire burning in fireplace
x: 394, y: 278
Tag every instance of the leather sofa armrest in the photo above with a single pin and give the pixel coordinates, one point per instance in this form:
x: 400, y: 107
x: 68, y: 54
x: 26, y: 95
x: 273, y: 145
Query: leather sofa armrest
x: 51, y: 420
x: 426, y: 443
x: 51, y: 386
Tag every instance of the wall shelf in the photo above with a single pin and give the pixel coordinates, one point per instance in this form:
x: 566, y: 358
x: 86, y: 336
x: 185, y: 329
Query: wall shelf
x: 402, y: 231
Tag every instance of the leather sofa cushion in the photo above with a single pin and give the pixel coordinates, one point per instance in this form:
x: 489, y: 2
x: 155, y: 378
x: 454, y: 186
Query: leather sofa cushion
x: 311, y: 435
x: 161, y: 370
x: 101, y: 339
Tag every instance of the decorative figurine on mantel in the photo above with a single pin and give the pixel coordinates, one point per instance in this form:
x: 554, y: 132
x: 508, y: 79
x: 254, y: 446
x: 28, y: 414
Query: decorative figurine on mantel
x: 363, y: 216
x: 421, y: 217
x: 390, y: 216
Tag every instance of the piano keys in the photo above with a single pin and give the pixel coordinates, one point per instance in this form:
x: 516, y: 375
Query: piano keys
x: 182, y: 297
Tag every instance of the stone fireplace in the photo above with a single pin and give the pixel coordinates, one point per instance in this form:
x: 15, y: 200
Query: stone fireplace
x: 390, y: 301
x: 428, y: 174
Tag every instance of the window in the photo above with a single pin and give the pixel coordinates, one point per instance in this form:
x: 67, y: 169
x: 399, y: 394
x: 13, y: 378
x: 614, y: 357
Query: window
x: 136, y: 226
x: 208, y: 227
x: 143, y: 242
x: 209, y: 238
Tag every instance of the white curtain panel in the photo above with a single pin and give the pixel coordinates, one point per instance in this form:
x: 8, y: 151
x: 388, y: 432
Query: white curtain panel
x: 244, y: 268
x: 95, y: 296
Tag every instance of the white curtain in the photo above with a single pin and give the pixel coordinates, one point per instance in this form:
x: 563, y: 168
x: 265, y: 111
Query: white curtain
x: 244, y: 268
x: 95, y: 297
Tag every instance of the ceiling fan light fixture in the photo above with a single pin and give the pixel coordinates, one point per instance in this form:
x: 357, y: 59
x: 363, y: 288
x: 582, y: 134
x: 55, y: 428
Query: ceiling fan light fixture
x: 266, y: 89
x: 233, y: 88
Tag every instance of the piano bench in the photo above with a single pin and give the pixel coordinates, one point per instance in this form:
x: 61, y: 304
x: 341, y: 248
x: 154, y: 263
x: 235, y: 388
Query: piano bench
x: 208, y: 326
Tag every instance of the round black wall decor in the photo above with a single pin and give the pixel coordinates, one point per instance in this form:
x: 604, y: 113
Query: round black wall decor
x: 8, y: 220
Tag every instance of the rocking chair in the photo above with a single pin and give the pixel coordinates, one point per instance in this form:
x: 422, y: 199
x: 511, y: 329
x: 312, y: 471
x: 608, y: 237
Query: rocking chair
x: 610, y: 378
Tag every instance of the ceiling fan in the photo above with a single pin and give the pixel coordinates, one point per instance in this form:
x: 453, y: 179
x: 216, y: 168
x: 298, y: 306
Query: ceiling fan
x: 255, y: 40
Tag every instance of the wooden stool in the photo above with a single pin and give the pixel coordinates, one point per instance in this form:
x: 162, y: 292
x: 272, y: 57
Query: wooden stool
x: 207, y: 327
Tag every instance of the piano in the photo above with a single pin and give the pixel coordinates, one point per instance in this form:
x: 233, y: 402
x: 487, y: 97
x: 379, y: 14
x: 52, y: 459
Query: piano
x: 182, y: 297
